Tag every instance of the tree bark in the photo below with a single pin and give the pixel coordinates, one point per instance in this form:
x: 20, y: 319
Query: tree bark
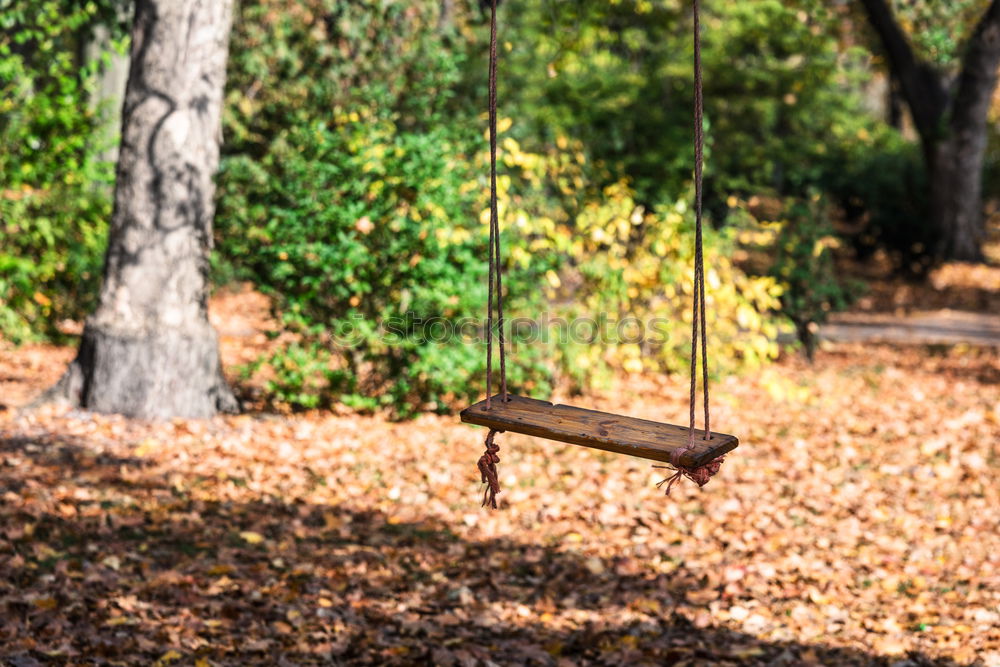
x: 956, y: 195
x: 149, y: 350
x: 957, y: 201
x: 952, y: 122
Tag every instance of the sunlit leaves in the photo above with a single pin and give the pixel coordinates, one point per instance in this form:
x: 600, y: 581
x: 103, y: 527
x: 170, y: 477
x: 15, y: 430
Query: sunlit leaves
x: 939, y: 29
x: 855, y: 523
x: 54, y: 189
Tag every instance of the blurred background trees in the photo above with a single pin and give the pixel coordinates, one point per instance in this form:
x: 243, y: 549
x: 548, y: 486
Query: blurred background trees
x: 949, y: 91
x: 353, y: 175
x: 55, y: 192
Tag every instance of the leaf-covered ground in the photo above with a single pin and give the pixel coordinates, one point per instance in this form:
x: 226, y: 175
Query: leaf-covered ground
x: 856, y: 524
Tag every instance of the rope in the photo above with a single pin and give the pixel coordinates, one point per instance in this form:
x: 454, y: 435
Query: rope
x: 490, y: 458
x: 488, y: 461
x: 698, y: 315
x: 494, y: 249
x: 488, y: 469
x: 701, y: 474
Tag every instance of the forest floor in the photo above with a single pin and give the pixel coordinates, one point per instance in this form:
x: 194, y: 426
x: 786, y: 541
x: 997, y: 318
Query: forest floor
x: 856, y: 524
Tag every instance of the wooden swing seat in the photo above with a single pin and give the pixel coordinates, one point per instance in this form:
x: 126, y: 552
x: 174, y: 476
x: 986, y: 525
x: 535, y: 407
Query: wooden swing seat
x: 600, y: 430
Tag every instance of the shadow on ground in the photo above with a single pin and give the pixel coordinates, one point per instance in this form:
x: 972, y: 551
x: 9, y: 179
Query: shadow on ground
x: 118, y: 567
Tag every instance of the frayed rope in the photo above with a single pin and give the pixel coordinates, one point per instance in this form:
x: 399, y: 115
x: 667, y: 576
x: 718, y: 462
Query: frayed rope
x: 699, y: 475
x: 488, y: 469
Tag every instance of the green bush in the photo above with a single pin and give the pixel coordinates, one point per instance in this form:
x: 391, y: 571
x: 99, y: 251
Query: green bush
x: 362, y: 233
x: 780, y: 90
x: 625, y: 272
x: 350, y: 192
x: 347, y: 193
x: 295, y: 62
x: 879, y: 185
x: 357, y: 231
x: 54, y: 192
x: 799, y: 247
x: 50, y: 262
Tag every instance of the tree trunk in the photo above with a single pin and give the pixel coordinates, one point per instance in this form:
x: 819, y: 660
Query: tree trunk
x: 952, y: 123
x: 149, y: 350
x: 955, y: 168
x: 956, y: 201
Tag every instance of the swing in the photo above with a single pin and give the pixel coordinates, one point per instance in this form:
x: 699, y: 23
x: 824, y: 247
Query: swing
x: 693, y: 453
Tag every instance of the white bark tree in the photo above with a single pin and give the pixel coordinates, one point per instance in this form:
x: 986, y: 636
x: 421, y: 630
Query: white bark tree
x: 149, y: 350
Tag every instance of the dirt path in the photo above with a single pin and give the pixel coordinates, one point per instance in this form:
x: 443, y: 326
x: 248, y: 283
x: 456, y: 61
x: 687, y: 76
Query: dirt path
x: 938, y: 327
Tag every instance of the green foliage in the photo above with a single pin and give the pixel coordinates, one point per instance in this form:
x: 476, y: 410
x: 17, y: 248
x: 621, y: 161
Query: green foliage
x: 938, y: 29
x: 782, y: 94
x: 54, y: 192
x: 620, y: 275
x: 880, y: 187
x: 362, y: 231
x: 345, y: 194
x: 779, y: 87
x: 50, y: 262
x: 800, y: 246
x: 356, y: 228
x: 353, y: 172
x: 293, y: 63
x: 302, y: 376
x: 348, y: 186
x: 609, y: 74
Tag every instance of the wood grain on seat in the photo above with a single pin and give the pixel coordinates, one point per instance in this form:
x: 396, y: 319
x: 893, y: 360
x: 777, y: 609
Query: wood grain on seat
x: 601, y: 430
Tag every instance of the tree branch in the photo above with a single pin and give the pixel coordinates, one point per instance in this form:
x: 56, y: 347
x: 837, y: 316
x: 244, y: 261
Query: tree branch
x: 978, y: 78
x: 922, y: 86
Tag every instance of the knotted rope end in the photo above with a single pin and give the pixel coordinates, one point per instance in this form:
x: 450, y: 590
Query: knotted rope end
x: 488, y: 470
x: 700, y: 475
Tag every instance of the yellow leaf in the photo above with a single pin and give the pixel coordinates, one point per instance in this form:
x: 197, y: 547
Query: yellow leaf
x: 251, y: 537
x: 749, y: 652
x: 169, y: 656
x: 119, y: 620
x: 632, y: 365
x: 46, y: 603
x: 42, y: 300
x: 147, y: 446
